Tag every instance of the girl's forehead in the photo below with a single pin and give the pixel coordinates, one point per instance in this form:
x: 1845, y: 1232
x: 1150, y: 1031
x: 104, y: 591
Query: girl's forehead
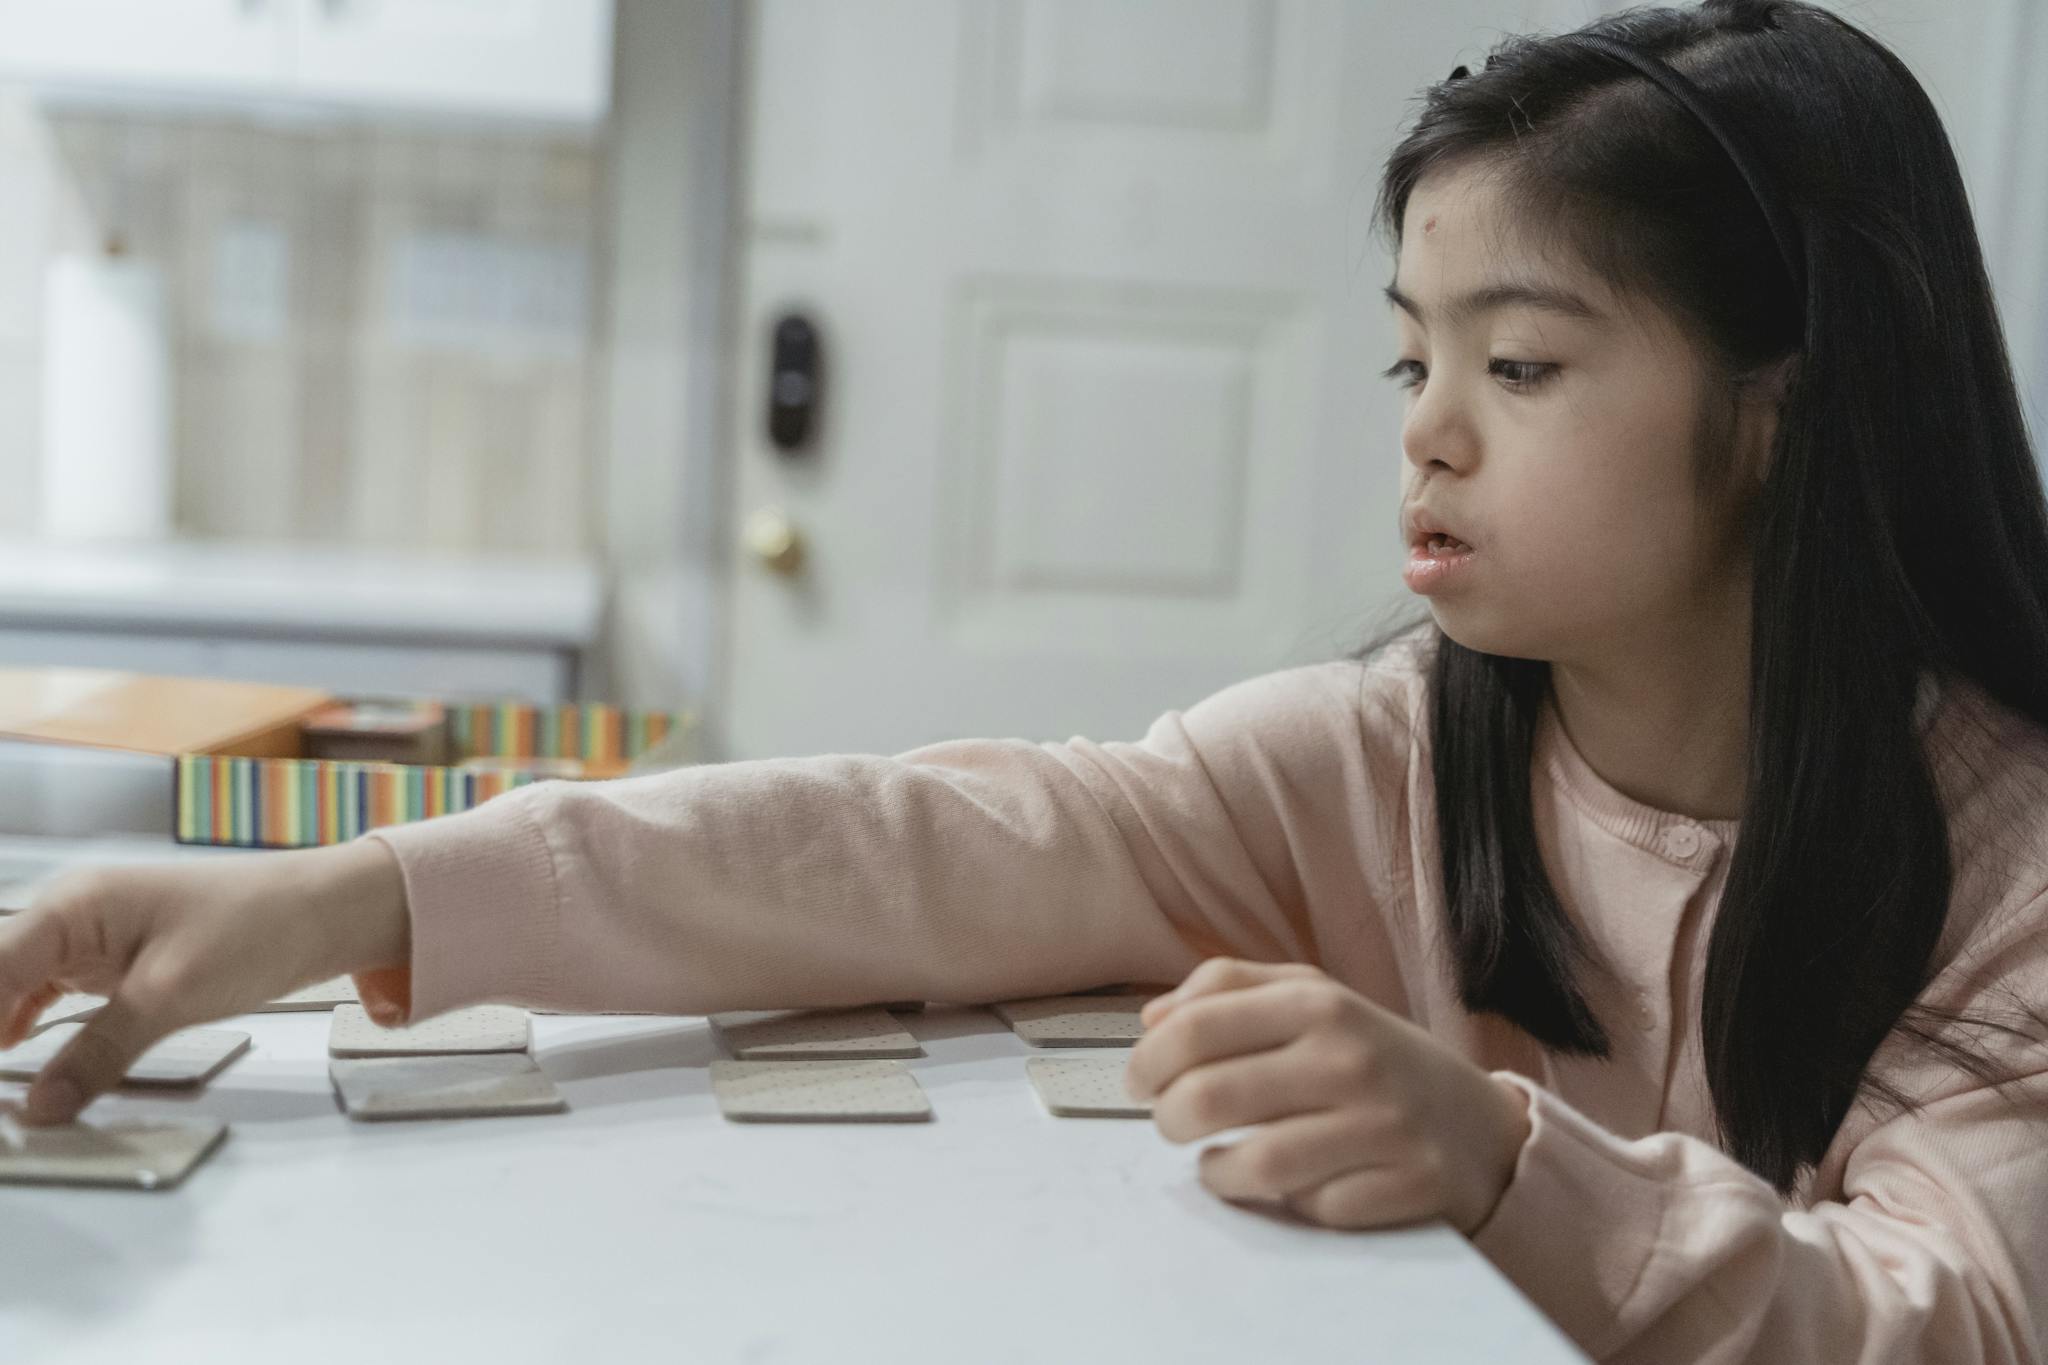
x: 1463, y: 220
x: 1462, y: 239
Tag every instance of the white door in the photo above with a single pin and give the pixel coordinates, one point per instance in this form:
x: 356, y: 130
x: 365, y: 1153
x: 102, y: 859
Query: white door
x: 1101, y: 317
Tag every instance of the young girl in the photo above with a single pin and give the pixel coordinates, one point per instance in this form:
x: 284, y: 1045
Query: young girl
x: 1668, y: 915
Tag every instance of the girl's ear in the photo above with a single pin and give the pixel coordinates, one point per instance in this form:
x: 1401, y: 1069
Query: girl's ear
x: 1773, y: 382
x: 1761, y: 397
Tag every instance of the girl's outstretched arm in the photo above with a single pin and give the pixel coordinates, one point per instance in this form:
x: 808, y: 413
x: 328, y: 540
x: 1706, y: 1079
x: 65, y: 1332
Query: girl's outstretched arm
x: 964, y: 871
x: 968, y: 870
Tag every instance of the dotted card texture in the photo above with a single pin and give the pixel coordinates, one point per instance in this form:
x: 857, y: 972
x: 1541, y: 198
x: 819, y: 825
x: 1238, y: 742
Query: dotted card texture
x: 484, y: 1028
x: 1084, y: 1087
x: 1076, y: 1020
x: 819, y: 1092
x: 815, y: 1035
x: 322, y: 995
x: 481, y: 1086
x: 189, y: 1057
x: 136, y: 1154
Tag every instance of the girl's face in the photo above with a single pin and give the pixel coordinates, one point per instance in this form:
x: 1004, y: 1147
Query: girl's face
x: 1551, y: 427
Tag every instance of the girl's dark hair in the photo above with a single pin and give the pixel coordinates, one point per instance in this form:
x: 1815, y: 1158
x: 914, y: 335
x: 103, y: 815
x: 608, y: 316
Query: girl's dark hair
x: 1901, y: 530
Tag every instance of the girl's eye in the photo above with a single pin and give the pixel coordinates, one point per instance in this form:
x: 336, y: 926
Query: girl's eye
x: 1406, y: 374
x: 1520, y: 374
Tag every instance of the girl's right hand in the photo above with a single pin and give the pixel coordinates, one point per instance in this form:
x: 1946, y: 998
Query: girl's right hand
x: 172, y: 946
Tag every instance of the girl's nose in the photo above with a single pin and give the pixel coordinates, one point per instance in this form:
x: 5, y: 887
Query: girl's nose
x: 1434, y: 436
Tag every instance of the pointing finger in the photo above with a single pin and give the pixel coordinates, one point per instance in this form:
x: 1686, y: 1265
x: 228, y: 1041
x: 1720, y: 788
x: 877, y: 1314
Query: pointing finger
x: 92, y: 1063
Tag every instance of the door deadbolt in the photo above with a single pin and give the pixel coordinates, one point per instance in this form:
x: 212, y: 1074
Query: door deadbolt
x: 796, y: 383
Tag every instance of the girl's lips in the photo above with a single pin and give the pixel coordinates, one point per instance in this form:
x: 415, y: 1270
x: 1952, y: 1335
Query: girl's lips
x: 1430, y: 570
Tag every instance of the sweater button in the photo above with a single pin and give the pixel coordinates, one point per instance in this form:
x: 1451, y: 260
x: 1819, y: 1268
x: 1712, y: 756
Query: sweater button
x: 1682, y: 841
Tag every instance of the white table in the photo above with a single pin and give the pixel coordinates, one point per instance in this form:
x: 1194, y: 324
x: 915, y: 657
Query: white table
x: 642, y: 1225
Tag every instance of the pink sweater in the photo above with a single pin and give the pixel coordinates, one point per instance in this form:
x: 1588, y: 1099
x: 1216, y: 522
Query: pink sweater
x: 1291, y: 817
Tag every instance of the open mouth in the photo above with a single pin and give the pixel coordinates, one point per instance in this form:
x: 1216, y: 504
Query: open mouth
x: 1437, y: 562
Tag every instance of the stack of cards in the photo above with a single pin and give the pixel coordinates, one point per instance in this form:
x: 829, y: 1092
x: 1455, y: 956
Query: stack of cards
x: 817, y: 1066
x: 1081, y: 1087
x: 469, y: 1063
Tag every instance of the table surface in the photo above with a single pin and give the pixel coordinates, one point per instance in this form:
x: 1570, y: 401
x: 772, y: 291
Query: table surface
x: 645, y: 1225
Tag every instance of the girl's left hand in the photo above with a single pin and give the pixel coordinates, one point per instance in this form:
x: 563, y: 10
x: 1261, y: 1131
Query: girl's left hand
x: 1364, y: 1120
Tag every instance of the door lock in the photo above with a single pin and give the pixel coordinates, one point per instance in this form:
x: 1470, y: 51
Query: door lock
x: 796, y: 381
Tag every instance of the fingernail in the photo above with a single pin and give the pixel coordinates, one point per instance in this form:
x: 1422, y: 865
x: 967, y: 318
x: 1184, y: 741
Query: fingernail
x: 53, y: 1102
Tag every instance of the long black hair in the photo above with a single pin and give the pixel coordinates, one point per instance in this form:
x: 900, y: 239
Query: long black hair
x: 1901, y: 531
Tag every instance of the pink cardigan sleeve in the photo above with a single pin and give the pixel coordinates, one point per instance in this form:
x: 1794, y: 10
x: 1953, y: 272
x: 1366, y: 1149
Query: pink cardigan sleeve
x: 1666, y: 1250
x: 970, y: 870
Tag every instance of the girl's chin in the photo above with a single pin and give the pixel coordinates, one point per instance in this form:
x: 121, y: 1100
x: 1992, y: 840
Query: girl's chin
x: 1481, y: 631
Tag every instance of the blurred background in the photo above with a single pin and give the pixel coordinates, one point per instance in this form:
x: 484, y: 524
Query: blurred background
x: 849, y: 373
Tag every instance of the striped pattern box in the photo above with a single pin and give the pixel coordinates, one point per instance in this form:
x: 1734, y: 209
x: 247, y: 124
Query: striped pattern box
x: 300, y: 803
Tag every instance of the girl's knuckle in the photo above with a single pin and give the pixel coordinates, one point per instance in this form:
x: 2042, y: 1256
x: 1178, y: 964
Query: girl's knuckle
x: 1206, y: 1027
x: 1170, y: 1117
x: 1322, y: 1205
x: 1320, y: 1001
x: 159, y: 980
x: 1344, y: 1078
x: 1268, y: 1167
x: 1208, y: 1100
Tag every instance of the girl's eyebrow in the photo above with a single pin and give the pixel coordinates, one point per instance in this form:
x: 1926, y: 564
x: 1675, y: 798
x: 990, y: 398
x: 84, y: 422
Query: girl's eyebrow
x: 1506, y: 294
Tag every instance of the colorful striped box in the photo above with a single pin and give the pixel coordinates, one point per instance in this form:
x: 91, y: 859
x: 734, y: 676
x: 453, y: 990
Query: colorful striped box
x: 301, y: 802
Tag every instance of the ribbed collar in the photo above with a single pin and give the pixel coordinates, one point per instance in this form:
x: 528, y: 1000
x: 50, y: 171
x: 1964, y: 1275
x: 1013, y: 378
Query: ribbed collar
x: 1677, y: 839
x: 1681, y: 839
